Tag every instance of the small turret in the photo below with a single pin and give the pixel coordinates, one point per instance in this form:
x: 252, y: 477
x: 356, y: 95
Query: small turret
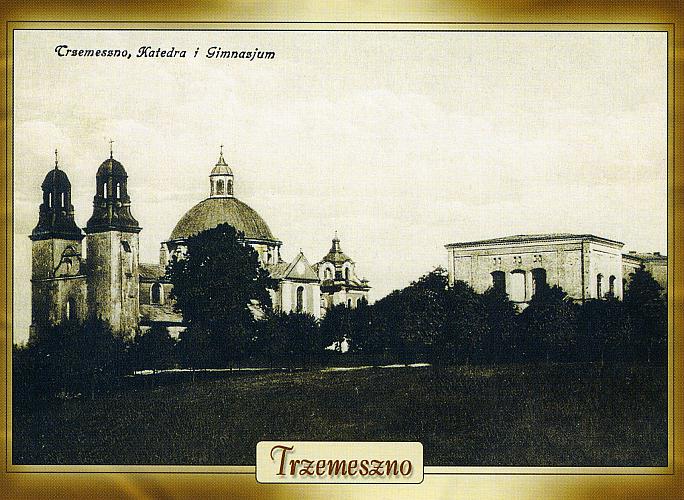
x: 221, y: 179
x: 111, y: 204
x: 56, y: 213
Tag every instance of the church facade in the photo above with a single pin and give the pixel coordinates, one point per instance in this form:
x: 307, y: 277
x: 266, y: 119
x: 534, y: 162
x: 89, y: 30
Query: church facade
x: 585, y: 266
x: 108, y: 281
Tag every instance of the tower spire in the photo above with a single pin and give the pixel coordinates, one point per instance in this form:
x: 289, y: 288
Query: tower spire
x: 221, y: 161
x: 111, y: 149
x: 56, y: 160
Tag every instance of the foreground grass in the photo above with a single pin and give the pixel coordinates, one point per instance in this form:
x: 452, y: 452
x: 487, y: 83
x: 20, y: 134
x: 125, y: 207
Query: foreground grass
x: 560, y: 415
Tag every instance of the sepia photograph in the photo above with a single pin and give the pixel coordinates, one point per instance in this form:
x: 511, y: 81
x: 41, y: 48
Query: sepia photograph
x: 456, y: 238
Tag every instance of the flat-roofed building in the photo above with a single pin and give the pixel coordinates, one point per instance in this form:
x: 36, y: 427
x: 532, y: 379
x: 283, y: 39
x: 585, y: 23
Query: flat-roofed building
x: 585, y: 266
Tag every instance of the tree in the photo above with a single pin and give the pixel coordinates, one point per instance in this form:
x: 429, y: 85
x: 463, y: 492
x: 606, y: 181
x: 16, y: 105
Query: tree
x: 216, y: 284
x: 414, y: 316
x: 549, y: 323
x: 154, y: 349
x: 647, y: 308
x: 194, y: 348
x: 464, y: 329
x: 503, y: 340
x: 289, y: 339
x: 336, y: 326
x: 605, y: 330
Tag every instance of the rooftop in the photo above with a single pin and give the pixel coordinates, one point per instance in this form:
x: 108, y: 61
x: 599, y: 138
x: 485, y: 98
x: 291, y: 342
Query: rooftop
x: 533, y: 238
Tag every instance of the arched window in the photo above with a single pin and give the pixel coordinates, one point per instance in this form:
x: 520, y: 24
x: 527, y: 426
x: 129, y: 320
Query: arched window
x: 499, y: 280
x: 157, y: 294
x: 219, y: 187
x: 300, y: 299
x: 63, y: 204
x: 611, y: 286
x: 229, y: 187
x: 118, y: 190
x: 517, y: 286
x: 328, y: 273
x: 349, y: 303
x: 346, y: 274
x: 212, y: 187
x: 104, y: 190
x: 50, y: 200
x: 599, y: 286
x: 538, y: 279
x: 71, y: 309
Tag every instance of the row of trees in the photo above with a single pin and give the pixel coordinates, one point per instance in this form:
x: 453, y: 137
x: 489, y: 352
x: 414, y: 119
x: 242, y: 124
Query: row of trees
x: 218, y: 284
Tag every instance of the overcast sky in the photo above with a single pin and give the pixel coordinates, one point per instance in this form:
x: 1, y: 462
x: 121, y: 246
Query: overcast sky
x: 402, y: 142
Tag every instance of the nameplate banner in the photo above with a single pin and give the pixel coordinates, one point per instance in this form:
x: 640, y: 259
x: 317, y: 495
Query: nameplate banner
x: 339, y: 462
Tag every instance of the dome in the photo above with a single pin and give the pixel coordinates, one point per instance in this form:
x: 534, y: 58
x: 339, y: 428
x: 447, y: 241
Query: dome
x: 56, y: 180
x: 221, y: 170
x: 111, y: 167
x: 211, y: 212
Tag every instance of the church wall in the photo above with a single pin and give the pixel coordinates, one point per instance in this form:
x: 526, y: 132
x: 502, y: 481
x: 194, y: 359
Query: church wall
x: 50, y: 298
x: 113, y: 288
x: 47, y: 254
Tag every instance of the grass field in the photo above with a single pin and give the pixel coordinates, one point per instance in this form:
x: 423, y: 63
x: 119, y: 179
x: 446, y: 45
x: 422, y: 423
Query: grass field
x: 561, y: 415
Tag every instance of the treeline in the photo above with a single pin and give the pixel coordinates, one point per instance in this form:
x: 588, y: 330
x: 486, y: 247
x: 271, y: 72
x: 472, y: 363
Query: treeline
x: 428, y: 321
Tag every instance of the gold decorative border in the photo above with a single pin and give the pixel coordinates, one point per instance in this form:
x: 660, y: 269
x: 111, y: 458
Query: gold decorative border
x: 143, y: 481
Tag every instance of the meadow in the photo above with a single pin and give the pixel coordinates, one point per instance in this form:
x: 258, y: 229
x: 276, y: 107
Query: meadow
x: 518, y: 415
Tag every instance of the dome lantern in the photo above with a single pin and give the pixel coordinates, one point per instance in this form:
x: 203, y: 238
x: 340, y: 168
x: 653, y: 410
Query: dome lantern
x: 221, y: 179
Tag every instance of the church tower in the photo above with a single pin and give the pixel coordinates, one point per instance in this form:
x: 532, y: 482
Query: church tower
x: 112, y: 245
x: 57, y: 284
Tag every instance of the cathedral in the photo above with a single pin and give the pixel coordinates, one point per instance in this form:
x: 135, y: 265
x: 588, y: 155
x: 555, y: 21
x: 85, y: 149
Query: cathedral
x: 98, y: 275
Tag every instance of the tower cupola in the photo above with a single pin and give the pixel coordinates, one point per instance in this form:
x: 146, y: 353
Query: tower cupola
x: 221, y: 179
x: 56, y: 213
x: 111, y: 204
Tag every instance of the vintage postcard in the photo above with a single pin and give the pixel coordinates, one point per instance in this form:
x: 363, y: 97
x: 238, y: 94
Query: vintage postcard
x: 366, y: 255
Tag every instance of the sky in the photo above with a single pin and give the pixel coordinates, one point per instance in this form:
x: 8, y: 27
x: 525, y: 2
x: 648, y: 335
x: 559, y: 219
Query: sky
x: 401, y: 142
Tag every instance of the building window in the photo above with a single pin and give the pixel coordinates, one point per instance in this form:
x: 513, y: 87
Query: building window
x: 611, y: 286
x: 300, y: 299
x: 63, y: 204
x: 599, y: 286
x: 219, y: 187
x: 229, y: 187
x: 104, y: 190
x: 49, y: 200
x: 499, y: 280
x: 346, y: 274
x: 128, y: 256
x: 71, y: 309
x: 517, y: 288
x: 157, y: 293
x: 349, y: 303
x: 118, y: 190
x: 538, y: 279
x: 328, y: 273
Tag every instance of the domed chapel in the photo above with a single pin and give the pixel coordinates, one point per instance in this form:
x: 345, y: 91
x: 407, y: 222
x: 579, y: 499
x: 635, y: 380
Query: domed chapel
x: 109, y: 283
